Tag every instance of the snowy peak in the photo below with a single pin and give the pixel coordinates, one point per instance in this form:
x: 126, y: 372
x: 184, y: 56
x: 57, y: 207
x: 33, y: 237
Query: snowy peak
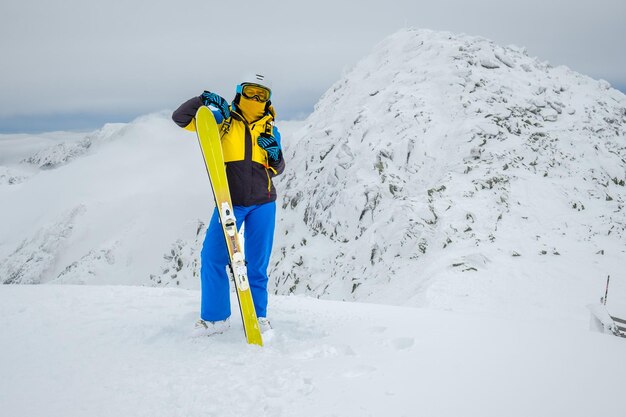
x: 431, y: 152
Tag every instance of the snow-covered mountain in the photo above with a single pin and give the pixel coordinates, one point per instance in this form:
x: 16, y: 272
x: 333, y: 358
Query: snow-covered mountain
x: 443, y: 170
x: 466, y: 174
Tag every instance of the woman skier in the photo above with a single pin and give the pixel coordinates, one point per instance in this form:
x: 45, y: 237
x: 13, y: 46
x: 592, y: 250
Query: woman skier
x: 253, y: 156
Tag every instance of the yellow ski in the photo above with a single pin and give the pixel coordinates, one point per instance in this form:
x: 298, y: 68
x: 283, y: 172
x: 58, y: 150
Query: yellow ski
x: 211, y: 146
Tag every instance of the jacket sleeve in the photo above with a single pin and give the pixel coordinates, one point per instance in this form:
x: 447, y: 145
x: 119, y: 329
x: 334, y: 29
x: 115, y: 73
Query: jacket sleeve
x: 185, y: 114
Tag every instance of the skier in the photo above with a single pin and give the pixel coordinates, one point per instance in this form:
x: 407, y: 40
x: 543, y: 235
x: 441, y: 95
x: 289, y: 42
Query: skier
x: 253, y: 156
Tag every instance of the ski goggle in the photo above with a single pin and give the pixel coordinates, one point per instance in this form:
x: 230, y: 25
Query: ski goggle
x: 254, y: 92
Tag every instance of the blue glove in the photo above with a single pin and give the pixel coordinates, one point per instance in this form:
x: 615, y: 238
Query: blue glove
x: 212, y: 99
x: 270, y: 145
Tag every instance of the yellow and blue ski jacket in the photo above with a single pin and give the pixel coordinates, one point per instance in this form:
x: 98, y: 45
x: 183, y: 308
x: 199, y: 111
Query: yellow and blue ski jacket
x: 248, y: 168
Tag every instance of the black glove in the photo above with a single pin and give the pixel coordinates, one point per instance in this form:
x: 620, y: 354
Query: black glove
x: 212, y: 99
x: 270, y: 145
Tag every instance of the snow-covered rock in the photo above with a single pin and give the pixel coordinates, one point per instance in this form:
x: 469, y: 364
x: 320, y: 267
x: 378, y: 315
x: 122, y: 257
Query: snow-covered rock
x: 61, y: 153
x: 10, y: 176
x: 37, y: 255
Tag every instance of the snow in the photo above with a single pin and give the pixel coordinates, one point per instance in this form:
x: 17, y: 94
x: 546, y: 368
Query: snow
x: 116, y: 350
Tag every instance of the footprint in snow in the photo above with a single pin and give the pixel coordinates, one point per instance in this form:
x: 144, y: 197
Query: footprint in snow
x: 378, y: 329
x: 357, y: 371
x: 403, y: 343
x: 326, y: 351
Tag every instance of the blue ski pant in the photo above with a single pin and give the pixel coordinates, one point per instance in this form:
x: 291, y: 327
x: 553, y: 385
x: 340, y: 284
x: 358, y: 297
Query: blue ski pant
x: 259, y: 236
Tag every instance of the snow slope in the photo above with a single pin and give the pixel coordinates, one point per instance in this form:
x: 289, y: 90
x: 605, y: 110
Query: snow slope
x: 471, y: 176
x: 103, y: 351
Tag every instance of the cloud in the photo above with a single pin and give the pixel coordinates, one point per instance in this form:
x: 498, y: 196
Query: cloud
x: 132, y: 56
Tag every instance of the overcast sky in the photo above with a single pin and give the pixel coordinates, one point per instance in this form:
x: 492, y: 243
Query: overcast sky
x: 77, y: 64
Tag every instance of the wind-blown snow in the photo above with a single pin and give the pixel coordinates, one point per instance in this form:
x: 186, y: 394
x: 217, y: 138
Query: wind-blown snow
x: 125, y: 351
